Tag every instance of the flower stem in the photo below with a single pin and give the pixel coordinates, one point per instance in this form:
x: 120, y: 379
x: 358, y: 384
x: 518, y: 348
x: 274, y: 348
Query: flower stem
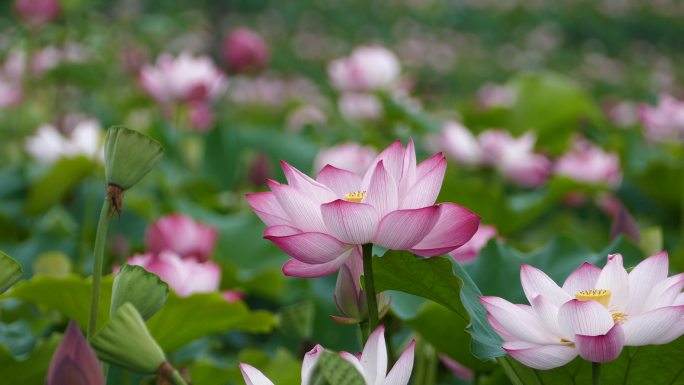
x: 596, y: 373
x: 371, y: 298
x: 177, y: 379
x: 98, y: 255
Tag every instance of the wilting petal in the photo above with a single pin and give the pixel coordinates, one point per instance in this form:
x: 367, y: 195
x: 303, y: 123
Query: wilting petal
x: 313, y: 248
x: 402, y: 229
x: 541, y: 357
x: 302, y: 211
x: 74, y: 362
x: 548, y: 314
x: 425, y: 191
x: 584, y: 278
x: 296, y: 268
x: 517, y: 321
x: 535, y: 282
x: 588, y: 318
x: 643, y: 278
x: 614, y: 277
x: 338, y: 180
x: 266, y: 207
x: 253, y: 376
x: 309, y: 364
x: 665, y: 293
x: 382, y: 191
x: 601, y: 348
x: 374, y: 357
x: 353, y: 223
x: 401, y: 371
x: 456, y: 226
x: 655, y: 327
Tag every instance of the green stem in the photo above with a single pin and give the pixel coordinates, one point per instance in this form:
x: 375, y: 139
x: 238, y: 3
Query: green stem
x: 363, y: 326
x: 177, y: 379
x: 98, y: 255
x: 371, y: 298
x: 596, y: 373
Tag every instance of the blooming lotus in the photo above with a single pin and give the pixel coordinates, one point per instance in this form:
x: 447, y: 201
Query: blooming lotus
x: 349, y: 156
x: 49, y: 144
x: 368, y: 68
x: 371, y: 363
x: 588, y: 163
x: 253, y: 376
x: 74, y: 361
x: 515, y: 157
x: 664, y: 122
x: 471, y: 249
x: 183, y: 236
x: 37, y: 12
x: 184, y: 276
x: 594, y: 314
x: 322, y: 223
x: 459, y: 143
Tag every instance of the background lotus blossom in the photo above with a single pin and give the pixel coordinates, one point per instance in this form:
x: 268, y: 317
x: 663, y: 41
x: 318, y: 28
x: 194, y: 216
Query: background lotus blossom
x: 182, y: 79
x: 253, y: 376
x: 368, y: 68
x: 245, y: 50
x: 322, y: 223
x: 588, y: 163
x: 458, y: 143
x: 36, y: 12
x: 665, y: 121
x: 347, y: 156
x: 184, y: 276
x: 181, y: 235
x: 74, y: 361
x: 49, y: 144
x: 356, y: 106
x: 594, y: 314
x: 471, y: 249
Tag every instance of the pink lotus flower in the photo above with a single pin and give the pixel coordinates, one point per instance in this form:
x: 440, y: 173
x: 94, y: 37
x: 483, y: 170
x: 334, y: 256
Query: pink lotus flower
x: 590, y: 164
x: 515, y: 157
x: 11, y: 93
x: 368, y: 68
x: 232, y: 296
x: 491, y: 96
x: 253, y: 376
x: 74, y: 361
x: 184, y: 276
x: 372, y: 363
x: 322, y: 223
x: 665, y: 121
x: 471, y: 249
x: 182, y: 79
x: 49, y: 144
x: 245, y: 50
x: 456, y: 368
x: 36, y: 12
x: 183, y: 236
x: 347, y: 156
x: 202, y: 116
x: 350, y: 298
x: 594, y: 314
x: 359, y: 107
x: 459, y: 143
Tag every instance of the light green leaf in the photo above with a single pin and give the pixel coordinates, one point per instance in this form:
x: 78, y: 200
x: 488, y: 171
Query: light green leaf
x: 32, y: 370
x: 144, y: 290
x: 10, y: 271
x: 297, y: 319
x: 57, y: 182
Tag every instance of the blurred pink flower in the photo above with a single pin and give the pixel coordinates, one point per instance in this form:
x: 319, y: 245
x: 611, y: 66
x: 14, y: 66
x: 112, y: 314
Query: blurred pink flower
x: 594, y: 314
x: 471, y: 249
x: 253, y: 376
x: 588, y: 163
x: 11, y: 93
x: 459, y: 370
x: 350, y: 298
x: 303, y: 116
x: 182, y: 79
x: 459, y: 143
x: 623, y: 113
x: 495, y: 96
x: 347, y: 156
x: 245, y: 50
x: 37, y: 12
x: 322, y: 223
x: 181, y: 235
x: 358, y: 106
x: 202, y: 116
x: 665, y: 121
x: 184, y: 276
x: 368, y: 68
x: 515, y: 157
x: 232, y: 295
x: 49, y: 144
x: 74, y: 362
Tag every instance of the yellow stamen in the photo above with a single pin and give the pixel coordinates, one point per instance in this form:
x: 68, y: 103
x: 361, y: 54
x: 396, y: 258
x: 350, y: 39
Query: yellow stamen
x: 565, y: 342
x: 601, y: 296
x: 619, y: 317
x: 356, y: 196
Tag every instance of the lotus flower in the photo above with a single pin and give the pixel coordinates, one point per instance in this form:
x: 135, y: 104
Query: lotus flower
x: 49, y: 144
x: 368, y: 68
x: 594, y: 314
x: 372, y: 362
x: 359, y: 106
x: 245, y: 50
x: 182, y: 79
x: 459, y: 143
x: 588, y: 163
x: 253, y: 376
x: 322, y: 223
x: 74, y: 361
x: 185, y: 276
x: 665, y: 122
x: 183, y: 236
x: 348, y: 156
x: 471, y: 249
x: 514, y: 157
x: 37, y: 12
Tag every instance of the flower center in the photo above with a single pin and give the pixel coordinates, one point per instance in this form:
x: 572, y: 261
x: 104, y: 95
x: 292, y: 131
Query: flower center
x: 601, y: 296
x: 356, y: 196
x: 619, y: 317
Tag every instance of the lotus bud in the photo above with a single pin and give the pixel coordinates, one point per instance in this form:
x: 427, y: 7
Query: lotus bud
x: 74, y: 362
x: 37, y: 12
x: 245, y: 51
x: 125, y: 341
x: 350, y: 298
x: 129, y: 156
